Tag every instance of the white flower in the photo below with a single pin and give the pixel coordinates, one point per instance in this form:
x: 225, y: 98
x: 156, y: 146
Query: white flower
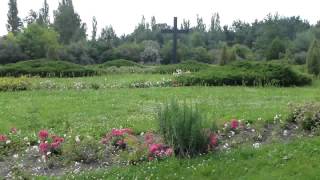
x: 16, y: 156
x: 26, y: 139
x: 285, y: 133
x: 142, y: 133
x: 48, y: 153
x: 256, y: 145
x: 8, y: 142
x: 35, y: 148
x: 77, y: 139
x: 232, y: 133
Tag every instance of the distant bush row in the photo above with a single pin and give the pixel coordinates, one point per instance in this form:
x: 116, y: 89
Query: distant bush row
x: 247, y: 73
x: 45, y: 68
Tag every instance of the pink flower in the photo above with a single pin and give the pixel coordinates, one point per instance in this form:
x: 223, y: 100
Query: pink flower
x: 3, y: 138
x: 213, y: 140
x: 121, y: 132
x: 148, y: 138
x: 234, y: 124
x: 154, y: 148
x: 169, y: 152
x: 55, y: 145
x: 57, y: 139
x: 43, y: 135
x: 150, y: 158
x: 120, y: 142
x: 14, y: 130
x: 44, y: 147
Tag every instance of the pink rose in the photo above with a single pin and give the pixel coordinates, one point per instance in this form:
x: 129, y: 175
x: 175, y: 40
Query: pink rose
x: 43, y: 135
x: 234, y: 124
x: 3, y: 138
x: 44, y: 147
x: 213, y: 140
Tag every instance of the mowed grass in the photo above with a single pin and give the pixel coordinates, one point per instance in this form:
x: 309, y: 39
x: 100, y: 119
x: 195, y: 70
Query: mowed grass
x: 296, y: 160
x: 94, y: 112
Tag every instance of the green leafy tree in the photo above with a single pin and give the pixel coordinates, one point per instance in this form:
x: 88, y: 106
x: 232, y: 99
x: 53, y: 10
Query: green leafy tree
x: 38, y: 41
x: 94, y: 28
x: 14, y: 24
x: 68, y: 23
x: 276, y: 48
x: 44, y: 17
x: 10, y: 50
x: 313, y: 58
x: 224, y: 56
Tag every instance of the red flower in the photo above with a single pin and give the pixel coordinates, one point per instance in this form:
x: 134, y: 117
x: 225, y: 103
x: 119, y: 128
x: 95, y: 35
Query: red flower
x: 43, y: 135
x: 3, y: 138
x: 14, y: 130
x: 44, y: 147
x: 213, y: 140
x: 148, y: 138
x: 234, y: 124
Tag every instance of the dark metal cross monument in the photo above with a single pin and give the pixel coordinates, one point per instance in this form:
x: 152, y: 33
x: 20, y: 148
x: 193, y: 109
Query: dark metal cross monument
x: 175, y: 31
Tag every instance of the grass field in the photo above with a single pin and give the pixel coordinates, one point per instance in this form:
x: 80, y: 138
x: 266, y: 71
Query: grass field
x: 94, y: 112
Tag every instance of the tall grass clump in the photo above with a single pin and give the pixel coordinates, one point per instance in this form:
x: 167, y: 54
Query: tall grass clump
x: 182, y: 127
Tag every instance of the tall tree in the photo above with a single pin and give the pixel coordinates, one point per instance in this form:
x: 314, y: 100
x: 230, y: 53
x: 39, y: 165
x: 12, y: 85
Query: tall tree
x: 153, y: 24
x: 14, y: 22
x: 215, y: 23
x: 68, y: 23
x: 94, y: 28
x: 313, y: 58
x: 201, y: 27
x: 44, y: 17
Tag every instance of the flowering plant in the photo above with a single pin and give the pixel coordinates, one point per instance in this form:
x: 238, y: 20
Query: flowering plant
x: 159, y: 151
x: 49, y: 143
x: 117, y: 137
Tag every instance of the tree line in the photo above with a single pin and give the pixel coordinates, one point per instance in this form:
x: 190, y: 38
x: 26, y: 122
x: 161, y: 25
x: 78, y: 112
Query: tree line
x: 65, y: 38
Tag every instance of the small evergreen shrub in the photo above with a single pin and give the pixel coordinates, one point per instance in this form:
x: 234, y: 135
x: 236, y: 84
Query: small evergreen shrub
x: 45, y: 68
x: 183, y: 128
x: 247, y: 73
x: 306, y: 116
x: 192, y: 66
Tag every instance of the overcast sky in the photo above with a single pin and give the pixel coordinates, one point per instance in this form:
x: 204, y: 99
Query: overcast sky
x: 124, y: 15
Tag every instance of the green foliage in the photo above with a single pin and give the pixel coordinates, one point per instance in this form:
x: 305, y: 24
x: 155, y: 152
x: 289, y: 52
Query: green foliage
x: 183, y: 128
x: 247, y: 73
x: 224, y: 56
x: 76, y: 52
x: 120, y: 63
x: 192, y: 66
x: 306, y: 116
x: 15, y: 84
x: 39, y: 41
x: 14, y: 22
x: 10, y: 50
x: 68, y: 23
x: 86, y: 151
x: 276, y: 48
x: 45, y: 68
x: 313, y: 58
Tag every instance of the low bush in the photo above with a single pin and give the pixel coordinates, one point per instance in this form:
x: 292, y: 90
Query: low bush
x: 192, y: 66
x: 182, y: 127
x: 247, y: 73
x: 120, y: 63
x: 45, y: 68
x: 14, y: 84
x: 306, y: 116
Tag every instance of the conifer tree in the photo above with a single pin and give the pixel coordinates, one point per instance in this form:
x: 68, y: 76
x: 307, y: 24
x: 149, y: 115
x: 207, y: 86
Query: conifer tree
x: 14, y: 22
x: 313, y: 58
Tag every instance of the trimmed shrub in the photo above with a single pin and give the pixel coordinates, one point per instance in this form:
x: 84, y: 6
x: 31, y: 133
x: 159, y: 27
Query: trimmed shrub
x: 247, y: 73
x: 45, y: 68
x: 183, y: 128
x: 192, y: 66
x: 120, y: 63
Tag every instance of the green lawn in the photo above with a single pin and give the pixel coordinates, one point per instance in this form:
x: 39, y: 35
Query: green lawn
x: 94, y: 112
